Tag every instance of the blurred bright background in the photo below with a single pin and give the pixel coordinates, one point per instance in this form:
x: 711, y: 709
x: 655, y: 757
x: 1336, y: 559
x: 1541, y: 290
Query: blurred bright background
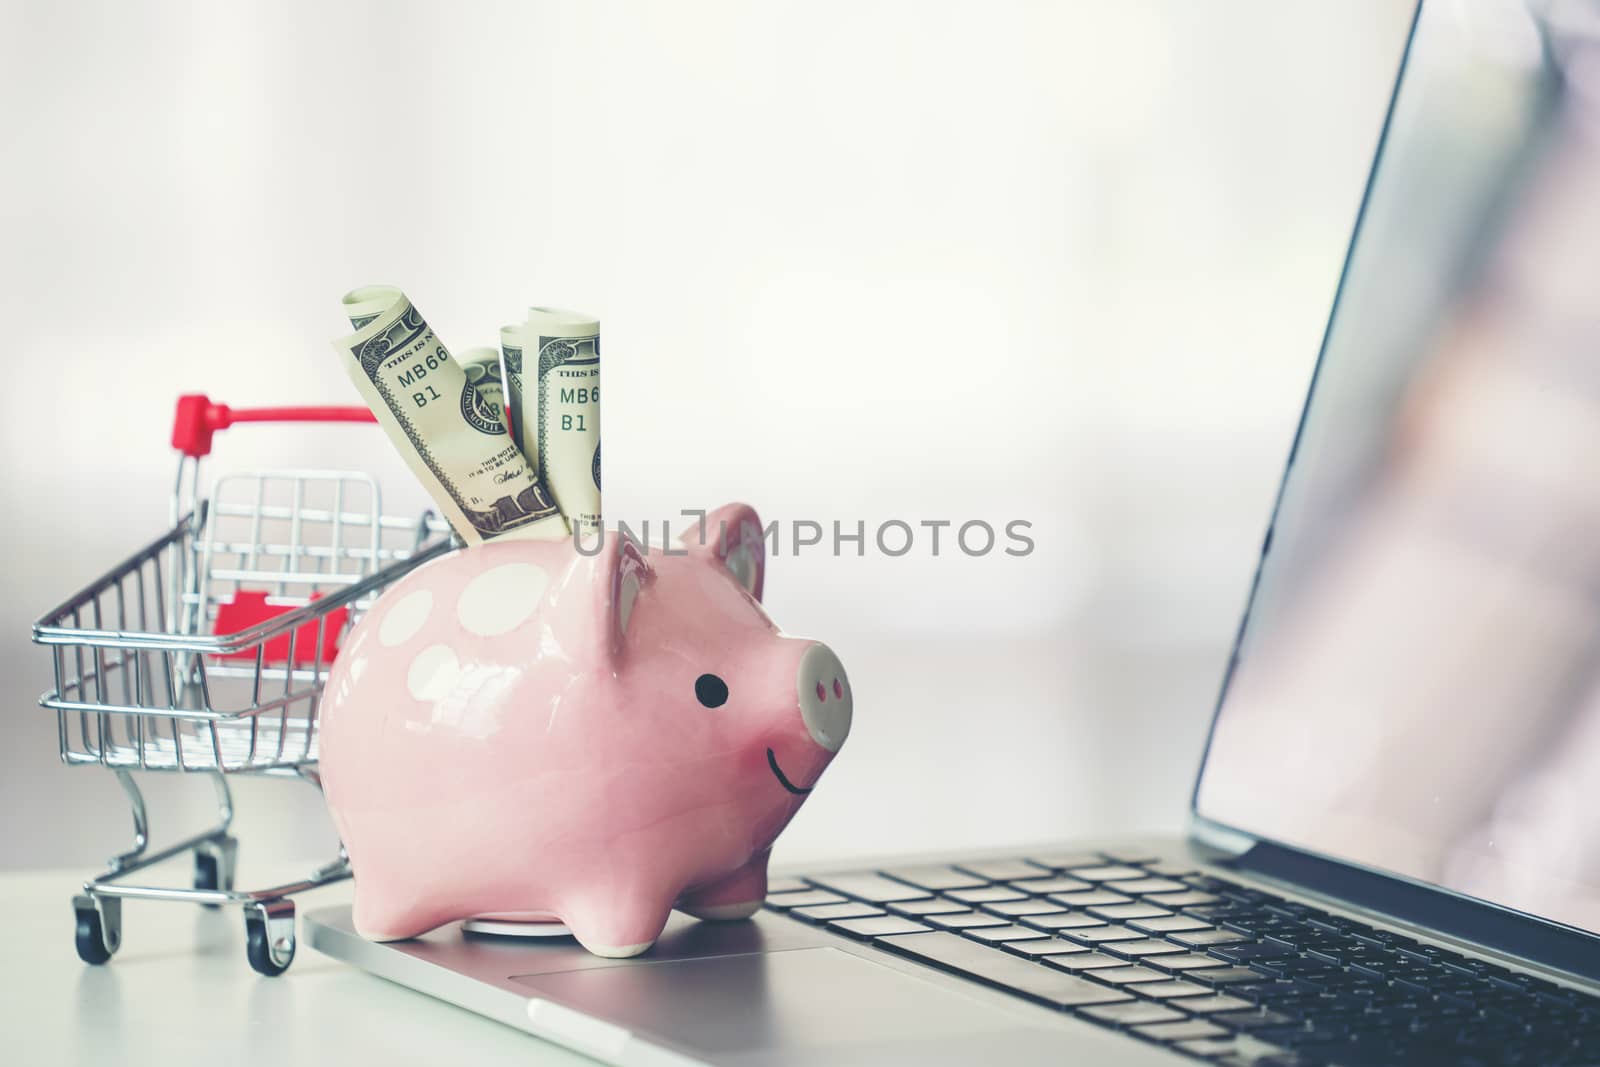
x: 1060, y: 262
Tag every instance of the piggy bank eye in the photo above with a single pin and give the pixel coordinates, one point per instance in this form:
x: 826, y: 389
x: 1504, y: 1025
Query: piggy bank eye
x: 711, y: 690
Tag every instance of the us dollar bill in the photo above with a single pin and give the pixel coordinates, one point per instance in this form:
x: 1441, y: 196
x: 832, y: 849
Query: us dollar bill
x: 451, y: 436
x: 482, y: 366
x: 511, y: 374
x: 564, y: 347
x: 363, y: 305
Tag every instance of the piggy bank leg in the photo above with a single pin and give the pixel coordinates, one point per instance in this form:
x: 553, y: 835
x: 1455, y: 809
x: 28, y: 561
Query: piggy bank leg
x: 389, y: 916
x: 618, y: 927
x: 737, y: 896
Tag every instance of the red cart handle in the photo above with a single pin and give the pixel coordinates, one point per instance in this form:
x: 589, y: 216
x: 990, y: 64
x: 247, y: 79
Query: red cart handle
x: 197, y: 418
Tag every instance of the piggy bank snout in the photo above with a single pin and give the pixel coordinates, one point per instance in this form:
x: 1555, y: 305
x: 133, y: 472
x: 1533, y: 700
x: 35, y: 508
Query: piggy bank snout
x: 825, y: 700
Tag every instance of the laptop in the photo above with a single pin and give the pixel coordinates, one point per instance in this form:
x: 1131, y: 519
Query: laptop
x: 1393, y: 854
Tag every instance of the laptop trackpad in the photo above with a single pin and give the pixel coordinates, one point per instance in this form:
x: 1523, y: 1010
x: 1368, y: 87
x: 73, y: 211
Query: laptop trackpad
x: 806, y: 1006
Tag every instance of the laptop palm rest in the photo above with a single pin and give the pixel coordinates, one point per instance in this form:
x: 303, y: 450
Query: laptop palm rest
x: 807, y: 1005
x: 766, y: 992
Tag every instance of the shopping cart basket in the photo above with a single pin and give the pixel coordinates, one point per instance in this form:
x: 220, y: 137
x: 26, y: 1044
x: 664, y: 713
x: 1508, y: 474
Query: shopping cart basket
x: 205, y: 652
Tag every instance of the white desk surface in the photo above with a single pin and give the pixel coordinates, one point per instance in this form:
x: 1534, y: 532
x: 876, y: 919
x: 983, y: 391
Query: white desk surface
x: 180, y: 992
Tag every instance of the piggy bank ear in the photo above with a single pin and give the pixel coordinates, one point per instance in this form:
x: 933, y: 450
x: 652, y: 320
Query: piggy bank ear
x: 624, y: 573
x: 732, y: 540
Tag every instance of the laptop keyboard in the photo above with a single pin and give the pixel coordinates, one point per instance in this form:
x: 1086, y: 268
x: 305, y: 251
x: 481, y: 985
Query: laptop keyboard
x: 1210, y: 968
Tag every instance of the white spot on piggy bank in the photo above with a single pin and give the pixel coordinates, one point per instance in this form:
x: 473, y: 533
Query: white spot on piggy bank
x: 501, y: 598
x: 405, y: 618
x: 592, y: 738
x: 433, y: 673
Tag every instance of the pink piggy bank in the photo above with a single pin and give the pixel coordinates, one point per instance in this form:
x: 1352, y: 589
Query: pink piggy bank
x: 520, y: 731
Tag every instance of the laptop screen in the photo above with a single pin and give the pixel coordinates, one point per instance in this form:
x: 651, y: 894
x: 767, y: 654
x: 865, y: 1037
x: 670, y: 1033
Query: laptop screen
x: 1417, y: 684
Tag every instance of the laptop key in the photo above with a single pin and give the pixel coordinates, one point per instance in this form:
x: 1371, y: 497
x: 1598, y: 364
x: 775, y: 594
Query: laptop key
x: 1180, y: 1031
x: 1206, y: 938
x: 1265, y: 925
x: 1223, y: 975
x: 995, y: 968
x: 1098, y: 935
x: 1245, y: 894
x: 994, y: 935
x: 931, y: 906
x: 1305, y: 968
x: 1171, y: 924
x: 1143, y: 948
x: 1219, y: 912
x: 1437, y: 953
x: 985, y: 894
x: 1266, y: 991
x: 1170, y: 870
x: 1108, y: 873
x: 1120, y: 912
x: 1125, y: 975
x: 1386, y: 938
x: 1060, y: 861
x: 1221, y: 1048
x: 1214, y: 1002
x: 873, y: 888
x: 803, y: 898
x: 1131, y: 1013
x: 1061, y: 920
x: 817, y: 913
x: 1050, y: 885
x: 1177, y: 989
x: 935, y: 878
x: 1089, y: 961
x: 1292, y: 908
x: 1258, y: 1019
x: 1093, y: 898
x: 1132, y: 857
x: 1014, y: 908
x: 1412, y: 986
x: 965, y: 920
x: 1298, y: 937
x: 1189, y: 961
x: 1208, y: 883
x: 1044, y: 946
x: 1141, y: 886
x: 1248, y: 953
x: 785, y: 885
x: 1003, y: 870
x: 879, y: 926
x: 1185, y: 899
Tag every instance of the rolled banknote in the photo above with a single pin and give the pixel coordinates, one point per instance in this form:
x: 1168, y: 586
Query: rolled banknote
x: 451, y: 437
x: 564, y: 348
x: 482, y: 366
x: 363, y: 305
x: 511, y: 375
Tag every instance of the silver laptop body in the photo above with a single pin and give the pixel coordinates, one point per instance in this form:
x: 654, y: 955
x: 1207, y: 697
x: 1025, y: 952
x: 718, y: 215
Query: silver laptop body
x: 1408, y: 737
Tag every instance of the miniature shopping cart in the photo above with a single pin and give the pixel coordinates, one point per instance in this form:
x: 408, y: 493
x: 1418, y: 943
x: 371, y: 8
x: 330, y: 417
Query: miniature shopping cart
x: 205, y: 652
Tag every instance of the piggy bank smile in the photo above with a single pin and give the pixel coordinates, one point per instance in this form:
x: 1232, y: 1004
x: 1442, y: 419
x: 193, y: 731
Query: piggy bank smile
x: 617, y: 734
x: 783, y: 779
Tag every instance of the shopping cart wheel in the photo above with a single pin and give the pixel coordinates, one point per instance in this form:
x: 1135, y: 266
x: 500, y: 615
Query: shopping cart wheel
x: 214, y: 863
x: 269, y: 936
x: 99, y: 930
